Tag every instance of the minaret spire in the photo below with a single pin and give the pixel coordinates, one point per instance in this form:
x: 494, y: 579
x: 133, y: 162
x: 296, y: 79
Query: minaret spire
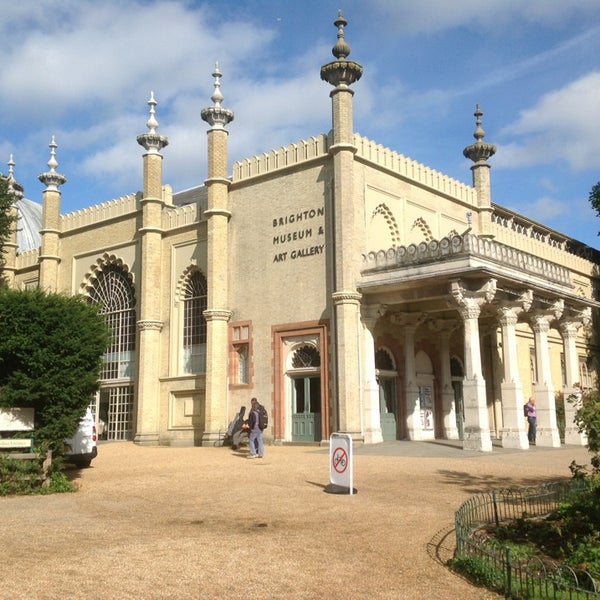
x: 152, y: 141
x: 480, y: 151
x: 51, y: 178
x: 15, y: 188
x: 341, y: 72
x: 218, y: 312
x: 216, y: 115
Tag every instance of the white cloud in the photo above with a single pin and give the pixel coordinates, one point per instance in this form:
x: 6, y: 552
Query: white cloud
x: 564, y: 125
x: 423, y: 16
x: 104, y: 54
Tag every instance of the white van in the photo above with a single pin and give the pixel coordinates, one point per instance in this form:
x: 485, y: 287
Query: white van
x: 82, y: 448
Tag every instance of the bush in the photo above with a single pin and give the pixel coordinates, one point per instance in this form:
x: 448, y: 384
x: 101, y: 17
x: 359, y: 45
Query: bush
x: 50, y: 358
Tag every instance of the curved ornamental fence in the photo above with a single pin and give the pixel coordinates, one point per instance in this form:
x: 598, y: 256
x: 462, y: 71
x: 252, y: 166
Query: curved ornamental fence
x: 500, y: 568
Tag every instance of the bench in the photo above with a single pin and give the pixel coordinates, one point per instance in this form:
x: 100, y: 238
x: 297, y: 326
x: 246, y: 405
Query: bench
x: 20, y: 420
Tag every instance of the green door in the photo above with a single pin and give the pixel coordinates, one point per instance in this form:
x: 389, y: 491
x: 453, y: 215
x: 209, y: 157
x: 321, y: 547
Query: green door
x: 306, y: 409
x: 387, y: 408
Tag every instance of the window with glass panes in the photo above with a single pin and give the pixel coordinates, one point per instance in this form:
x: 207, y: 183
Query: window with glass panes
x: 113, y: 291
x: 240, y: 340
x: 194, y: 324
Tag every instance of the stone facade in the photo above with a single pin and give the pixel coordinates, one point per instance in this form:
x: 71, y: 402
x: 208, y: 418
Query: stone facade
x: 345, y: 285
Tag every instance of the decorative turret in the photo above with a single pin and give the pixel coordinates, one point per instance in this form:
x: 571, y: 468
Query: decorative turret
x: 341, y: 72
x: 217, y: 313
x: 50, y: 248
x: 51, y: 178
x: 346, y: 241
x: 151, y: 279
x: 479, y: 152
x: 8, y: 262
x: 15, y: 188
x: 152, y: 141
x: 216, y: 115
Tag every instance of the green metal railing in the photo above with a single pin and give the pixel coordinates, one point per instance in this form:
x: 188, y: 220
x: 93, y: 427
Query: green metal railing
x: 497, y: 566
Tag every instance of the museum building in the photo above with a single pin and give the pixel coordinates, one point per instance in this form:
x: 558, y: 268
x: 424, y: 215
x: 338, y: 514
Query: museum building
x: 348, y: 287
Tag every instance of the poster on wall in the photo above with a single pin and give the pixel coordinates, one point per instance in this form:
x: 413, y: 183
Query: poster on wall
x: 426, y: 402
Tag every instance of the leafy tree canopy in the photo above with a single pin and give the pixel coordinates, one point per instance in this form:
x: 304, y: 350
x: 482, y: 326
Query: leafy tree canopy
x: 595, y: 198
x: 50, y: 357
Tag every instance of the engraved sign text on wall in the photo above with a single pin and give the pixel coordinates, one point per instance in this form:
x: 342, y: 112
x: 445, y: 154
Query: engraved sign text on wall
x: 298, y: 235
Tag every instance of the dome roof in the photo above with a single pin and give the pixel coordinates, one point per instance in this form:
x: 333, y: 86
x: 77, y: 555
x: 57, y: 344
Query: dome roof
x: 28, y: 225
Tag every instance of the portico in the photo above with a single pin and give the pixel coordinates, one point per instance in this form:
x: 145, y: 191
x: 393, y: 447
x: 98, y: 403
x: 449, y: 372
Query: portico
x: 443, y: 299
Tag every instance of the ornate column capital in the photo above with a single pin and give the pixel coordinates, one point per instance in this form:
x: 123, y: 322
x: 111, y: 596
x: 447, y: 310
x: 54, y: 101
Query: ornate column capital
x: 150, y: 325
x: 469, y: 302
x: 346, y: 297
x: 216, y: 314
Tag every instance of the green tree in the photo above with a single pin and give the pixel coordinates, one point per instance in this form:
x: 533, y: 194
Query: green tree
x: 7, y: 219
x: 595, y: 198
x: 50, y: 358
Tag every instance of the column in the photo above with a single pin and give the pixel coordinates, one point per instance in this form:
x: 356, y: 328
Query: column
x: 572, y: 390
x: 448, y: 407
x: 150, y: 323
x: 543, y: 390
x: 347, y: 225
x: 217, y: 314
x: 476, y: 429
x: 513, y: 433
x: 371, y: 409
x: 410, y: 322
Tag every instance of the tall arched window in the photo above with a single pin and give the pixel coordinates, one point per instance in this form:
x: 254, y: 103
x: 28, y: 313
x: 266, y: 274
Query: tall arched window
x: 194, y: 324
x: 113, y: 291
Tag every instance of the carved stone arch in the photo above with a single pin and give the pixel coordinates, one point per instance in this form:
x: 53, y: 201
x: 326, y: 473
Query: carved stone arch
x: 423, y: 365
x: 384, y: 360
x: 184, y: 280
x: 421, y: 224
x: 457, y: 368
x: 104, y: 261
x: 304, y: 355
x: 383, y: 210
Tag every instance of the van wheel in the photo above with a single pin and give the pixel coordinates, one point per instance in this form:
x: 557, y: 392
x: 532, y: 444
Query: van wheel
x: 84, y: 464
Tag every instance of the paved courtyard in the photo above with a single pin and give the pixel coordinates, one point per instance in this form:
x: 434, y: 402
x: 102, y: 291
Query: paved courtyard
x: 186, y: 523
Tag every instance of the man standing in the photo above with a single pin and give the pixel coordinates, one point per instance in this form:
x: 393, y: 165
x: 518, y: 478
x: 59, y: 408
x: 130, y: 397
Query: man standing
x: 257, y: 423
x: 531, y: 413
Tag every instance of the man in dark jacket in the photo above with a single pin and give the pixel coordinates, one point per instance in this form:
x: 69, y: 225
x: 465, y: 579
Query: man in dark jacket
x: 255, y: 439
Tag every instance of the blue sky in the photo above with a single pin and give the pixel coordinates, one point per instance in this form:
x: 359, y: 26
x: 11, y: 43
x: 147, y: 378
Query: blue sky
x: 83, y: 70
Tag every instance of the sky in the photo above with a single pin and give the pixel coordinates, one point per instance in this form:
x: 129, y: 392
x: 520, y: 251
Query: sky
x: 83, y: 70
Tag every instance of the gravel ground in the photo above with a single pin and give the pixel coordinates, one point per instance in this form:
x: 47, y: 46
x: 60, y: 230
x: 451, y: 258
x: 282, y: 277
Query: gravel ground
x: 186, y: 523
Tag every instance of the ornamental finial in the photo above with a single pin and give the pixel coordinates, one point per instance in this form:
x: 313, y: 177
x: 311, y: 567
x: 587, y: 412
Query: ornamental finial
x: 216, y: 115
x: 16, y: 189
x: 217, y: 96
x: 51, y: 178
x: 341, y: 48
x: 152, y: 141
x: 480, y: 151
x: 341, y: 72
x: 152, y: 123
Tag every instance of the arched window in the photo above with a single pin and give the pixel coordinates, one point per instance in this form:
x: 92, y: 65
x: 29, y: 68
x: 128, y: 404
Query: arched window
x: 194, y: 324
x: 383, y: 361
x: 113, y: 291
x: 306, y: 357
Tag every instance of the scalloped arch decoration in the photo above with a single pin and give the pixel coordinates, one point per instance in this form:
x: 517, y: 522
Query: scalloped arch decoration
x: 422, y: 225
x: 183, y: 282
x: 383, y: 210
x: 101, y: 263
